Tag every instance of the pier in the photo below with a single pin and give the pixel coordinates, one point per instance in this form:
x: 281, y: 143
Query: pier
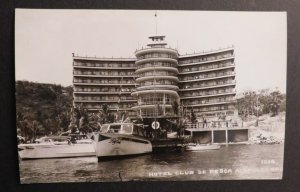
x: 222, y: 133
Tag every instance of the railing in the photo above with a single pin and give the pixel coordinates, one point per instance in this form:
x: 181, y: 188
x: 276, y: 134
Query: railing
x: 104, y: 82
x: 95, y: 65
x: 149, y: 48
x: 104, y: 90
x: 156, y: 103
x: 195, y: 78
x: 197, y: 86
x: 157, y: 74
x: 207, y: 58
x: 207, y: 94
x: 149, y: 56
x: 211, y: 102
x: 204, y: 69
x: 121, y: 75
x: 156, y: 65
x: 212, y: 125
x: 160, y: 87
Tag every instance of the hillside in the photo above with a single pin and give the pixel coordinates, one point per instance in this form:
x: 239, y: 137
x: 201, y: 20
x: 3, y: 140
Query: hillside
x: 42, y: 108
x: 270, y: 130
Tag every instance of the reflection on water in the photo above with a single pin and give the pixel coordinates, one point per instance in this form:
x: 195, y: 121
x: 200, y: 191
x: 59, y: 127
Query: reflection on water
x: 232, y: 162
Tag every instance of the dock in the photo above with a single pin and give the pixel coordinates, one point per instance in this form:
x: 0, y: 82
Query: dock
x: 222, y: 135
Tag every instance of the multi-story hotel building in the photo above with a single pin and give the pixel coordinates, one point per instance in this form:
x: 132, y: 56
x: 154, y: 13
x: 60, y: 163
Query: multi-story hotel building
x: 149, y: 84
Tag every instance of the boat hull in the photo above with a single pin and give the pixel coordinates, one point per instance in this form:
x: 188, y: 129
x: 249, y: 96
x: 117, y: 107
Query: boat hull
x: 47, y: 151
x: 116, y: 146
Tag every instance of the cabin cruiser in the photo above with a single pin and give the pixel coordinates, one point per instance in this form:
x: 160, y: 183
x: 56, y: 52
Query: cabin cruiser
x: 56, y: 147
x: 117, y: 140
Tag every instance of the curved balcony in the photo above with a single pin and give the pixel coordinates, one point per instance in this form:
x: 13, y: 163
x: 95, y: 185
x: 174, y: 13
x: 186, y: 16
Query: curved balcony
x: 208, y: 87
x: 171, y: 92
x: 155, y: 59
x: 150, y: 106
x: 158, y: 68
x: 209, y: 78
x: 208, y: 95
x: 157, y: 73
x: 156, y: 50
x: 158, y: 87
x: 207, y: 70
x: 157, y: 77
x: 156, y: 64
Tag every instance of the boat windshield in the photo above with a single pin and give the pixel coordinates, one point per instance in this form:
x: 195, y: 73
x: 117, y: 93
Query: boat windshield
x: 114, y: 128
x: 104, y: 128
x: 117, y: 128
x: 126, y: 129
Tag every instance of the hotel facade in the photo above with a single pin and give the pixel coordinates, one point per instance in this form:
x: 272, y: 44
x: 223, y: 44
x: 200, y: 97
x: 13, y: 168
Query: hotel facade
x: 148, y: 86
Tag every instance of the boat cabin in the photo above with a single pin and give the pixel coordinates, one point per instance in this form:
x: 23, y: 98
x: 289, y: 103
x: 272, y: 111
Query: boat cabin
x: 123, y: 128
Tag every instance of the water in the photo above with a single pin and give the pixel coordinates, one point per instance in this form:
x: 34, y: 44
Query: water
x: 228, y: 163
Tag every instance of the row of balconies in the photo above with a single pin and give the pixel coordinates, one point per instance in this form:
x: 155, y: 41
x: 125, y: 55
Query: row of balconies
x: 209, y: 66
x: 110, y: 106
x: 206, y: 85
x: 206, y: 76
x: 105, y: 90
x: 206, y: 69
x: 155, y: 103
x: 209, y: 100
x: 103, y: 65
x: 104, y: 98
x: 213, y: 108
x: 103, y: 73
x: 207, y: 58
x: 104, y: 81
x: 206, y: 93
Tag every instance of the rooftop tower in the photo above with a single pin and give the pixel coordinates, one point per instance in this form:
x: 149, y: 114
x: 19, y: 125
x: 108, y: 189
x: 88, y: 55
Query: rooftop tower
x: 157, y: 81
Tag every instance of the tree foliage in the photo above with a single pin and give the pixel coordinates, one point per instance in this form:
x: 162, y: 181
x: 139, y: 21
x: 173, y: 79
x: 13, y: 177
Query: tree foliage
x: 42, y: 109
x: 253, y: 103
x: 193, y: 117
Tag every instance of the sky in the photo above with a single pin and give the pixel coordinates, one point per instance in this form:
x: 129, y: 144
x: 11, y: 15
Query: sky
x: 45, y: 40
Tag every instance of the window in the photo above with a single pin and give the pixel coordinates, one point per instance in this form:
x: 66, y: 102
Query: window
x: 114, y: 128
x: 104, y: 128
x: 126, y: 129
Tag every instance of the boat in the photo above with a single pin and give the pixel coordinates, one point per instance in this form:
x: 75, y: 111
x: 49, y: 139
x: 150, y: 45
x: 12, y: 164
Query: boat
x: 119, y: 140
x: 201, y: 147
x: 172, y: 135
x: 55, y: 147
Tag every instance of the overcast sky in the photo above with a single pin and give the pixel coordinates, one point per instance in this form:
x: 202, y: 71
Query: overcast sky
x: 46, y: 39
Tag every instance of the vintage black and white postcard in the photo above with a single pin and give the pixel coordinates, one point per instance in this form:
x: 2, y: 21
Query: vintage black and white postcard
x: 150, y: 95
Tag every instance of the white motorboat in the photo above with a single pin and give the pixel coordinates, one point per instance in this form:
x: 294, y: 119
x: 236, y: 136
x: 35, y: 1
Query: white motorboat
x: 55, y: 147
x: 118, y: 140
x: 201, y: 147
